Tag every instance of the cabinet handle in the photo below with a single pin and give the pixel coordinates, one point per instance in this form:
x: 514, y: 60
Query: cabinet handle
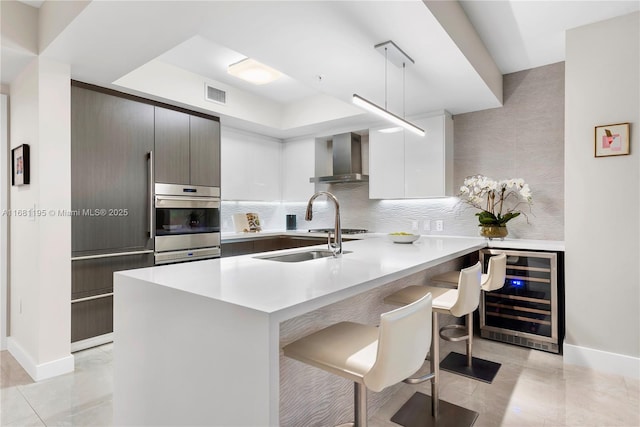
x: 110, y: 294
x: 111, y: 255
x: 150, y: 157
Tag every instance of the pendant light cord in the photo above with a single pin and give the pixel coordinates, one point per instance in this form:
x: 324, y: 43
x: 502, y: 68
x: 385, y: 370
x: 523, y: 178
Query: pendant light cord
x: 385, y: 78
x: 404, y: 67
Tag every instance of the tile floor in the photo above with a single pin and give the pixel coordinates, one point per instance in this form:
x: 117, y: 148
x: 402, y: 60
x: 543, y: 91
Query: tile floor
x: 532, y: 388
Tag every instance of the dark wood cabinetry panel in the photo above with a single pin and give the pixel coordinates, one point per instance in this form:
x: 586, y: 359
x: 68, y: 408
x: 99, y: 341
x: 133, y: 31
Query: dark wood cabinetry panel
x: 171, y: 146
x: 266, y: 244
x: 205, y: 151
x: 110, y: 140
x: 269, y: 244
x: 237, y: 248
x: 91, y: 318
x: 90, y: 277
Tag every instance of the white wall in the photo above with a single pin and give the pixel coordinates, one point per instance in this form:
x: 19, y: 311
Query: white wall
x: 40, y: 246
x: 4, y: 187
x: 602, y: 201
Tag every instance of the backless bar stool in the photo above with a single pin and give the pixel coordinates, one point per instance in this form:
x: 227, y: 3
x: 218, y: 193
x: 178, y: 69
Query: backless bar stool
x: 372, y: 357
x: 457, y: 302
x: 469, y: 366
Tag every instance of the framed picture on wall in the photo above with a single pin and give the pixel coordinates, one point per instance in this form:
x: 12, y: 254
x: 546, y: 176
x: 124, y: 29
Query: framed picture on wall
x: 20, y: 165
x: 612, y: 140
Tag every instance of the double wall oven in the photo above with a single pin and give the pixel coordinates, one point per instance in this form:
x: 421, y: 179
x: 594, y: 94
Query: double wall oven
x: 186, y: 223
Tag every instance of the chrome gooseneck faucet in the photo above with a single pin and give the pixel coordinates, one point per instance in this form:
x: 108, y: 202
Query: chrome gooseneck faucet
x: 336, y: 246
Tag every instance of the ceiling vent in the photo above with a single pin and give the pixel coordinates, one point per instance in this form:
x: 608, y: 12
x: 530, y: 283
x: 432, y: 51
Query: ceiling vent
x: 214, y: 95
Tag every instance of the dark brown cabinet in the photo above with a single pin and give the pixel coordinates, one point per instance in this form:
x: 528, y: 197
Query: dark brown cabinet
x: 266, y: 244
x: 91, y: 318
x: 110, y: 141
x: 187, y: 149
x: 171, y: 146
x: 111, y: 138
x: 115, y: 137
x: 204, y: 151
x: 92, y: 292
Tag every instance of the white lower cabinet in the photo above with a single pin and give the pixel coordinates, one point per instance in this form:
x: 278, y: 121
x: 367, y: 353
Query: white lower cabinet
x: 403, y: 165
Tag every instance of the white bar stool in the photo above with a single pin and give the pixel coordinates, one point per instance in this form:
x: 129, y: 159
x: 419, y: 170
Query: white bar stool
x: 372, y: 357
x: 469, y: 366
x: 457, y: 302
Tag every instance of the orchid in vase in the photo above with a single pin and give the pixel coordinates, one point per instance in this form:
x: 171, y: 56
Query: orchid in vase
x: 498, y: 201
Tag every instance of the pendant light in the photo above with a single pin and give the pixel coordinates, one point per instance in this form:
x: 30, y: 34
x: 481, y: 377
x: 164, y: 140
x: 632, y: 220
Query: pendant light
x: 396, y: 56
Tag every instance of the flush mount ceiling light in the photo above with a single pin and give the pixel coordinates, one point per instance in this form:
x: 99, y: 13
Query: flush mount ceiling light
x: 253, y: 71
x: 392, y: 53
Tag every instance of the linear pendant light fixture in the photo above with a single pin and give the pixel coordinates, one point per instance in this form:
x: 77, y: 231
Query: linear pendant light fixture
x: 396, y: 56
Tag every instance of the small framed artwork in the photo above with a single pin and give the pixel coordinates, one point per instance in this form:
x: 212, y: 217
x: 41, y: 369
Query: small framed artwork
x: 20, y: 165
x: 612, y: 140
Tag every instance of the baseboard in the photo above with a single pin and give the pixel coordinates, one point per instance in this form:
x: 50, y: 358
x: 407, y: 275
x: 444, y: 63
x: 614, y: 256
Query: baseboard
x: 603, y: 361
x: 40, y: 371
x: 91, y: 342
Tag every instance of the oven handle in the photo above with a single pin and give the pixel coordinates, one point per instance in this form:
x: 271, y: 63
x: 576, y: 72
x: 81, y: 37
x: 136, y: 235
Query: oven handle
x: 150, y: 157
x: 207, y: 201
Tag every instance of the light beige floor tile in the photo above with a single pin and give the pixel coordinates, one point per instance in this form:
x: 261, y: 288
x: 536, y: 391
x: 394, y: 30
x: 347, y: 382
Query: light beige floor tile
x: 30, y: 421
x: 633, y: 389
x: 90, y: 384
x: 11, y: 373
x: 14, y: 407
x: 97, y: 415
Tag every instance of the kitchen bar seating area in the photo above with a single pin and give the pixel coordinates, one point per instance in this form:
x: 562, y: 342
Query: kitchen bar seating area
x: 234, y: 214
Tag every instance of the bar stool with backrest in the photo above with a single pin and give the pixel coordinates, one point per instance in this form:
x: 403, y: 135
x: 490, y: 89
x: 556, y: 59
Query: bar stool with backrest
x: 458, y: 302
x: 470, y: 366
x: 372, y: 357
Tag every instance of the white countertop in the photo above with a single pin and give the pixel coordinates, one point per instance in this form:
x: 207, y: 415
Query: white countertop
x: 288, y: 289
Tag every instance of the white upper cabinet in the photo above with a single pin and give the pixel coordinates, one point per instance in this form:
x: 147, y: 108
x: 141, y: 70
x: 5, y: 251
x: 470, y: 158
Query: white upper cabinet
x: 298, y: 166
x: 251, y: 166
x: 403, y: 165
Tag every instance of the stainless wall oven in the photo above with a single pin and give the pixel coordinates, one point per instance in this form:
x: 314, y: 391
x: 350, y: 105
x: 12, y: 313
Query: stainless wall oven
x: 186, y: 223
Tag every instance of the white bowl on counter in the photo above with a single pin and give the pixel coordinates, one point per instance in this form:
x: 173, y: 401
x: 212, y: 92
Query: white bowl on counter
x: 403, y: 238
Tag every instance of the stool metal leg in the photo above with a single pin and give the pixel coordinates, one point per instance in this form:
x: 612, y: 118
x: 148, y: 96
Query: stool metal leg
x: 470, y: 339
x: 435, y: 364
x: 360, y: 404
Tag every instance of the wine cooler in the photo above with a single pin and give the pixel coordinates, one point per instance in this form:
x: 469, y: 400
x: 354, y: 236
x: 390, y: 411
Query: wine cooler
x: 529, y: 309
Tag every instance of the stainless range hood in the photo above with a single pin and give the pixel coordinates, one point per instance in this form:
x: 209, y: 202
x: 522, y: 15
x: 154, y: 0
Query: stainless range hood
x: 347, y: 161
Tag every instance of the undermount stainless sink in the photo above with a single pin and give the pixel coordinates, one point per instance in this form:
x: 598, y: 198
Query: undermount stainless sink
x: 300, y: 256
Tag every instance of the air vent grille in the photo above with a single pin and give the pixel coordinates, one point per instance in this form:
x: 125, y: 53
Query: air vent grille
x: 215, y: 95
x: 521, y: 341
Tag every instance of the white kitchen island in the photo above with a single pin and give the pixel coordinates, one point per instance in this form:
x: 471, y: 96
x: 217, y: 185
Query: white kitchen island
x: 199, y: 343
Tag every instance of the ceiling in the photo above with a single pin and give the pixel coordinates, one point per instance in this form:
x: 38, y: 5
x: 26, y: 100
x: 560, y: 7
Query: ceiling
x: 167, y: 50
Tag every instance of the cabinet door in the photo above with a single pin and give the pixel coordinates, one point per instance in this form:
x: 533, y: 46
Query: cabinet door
x: 297, y: 167
x: 91, y: 289
x: 205, y: 151
x: 171, y: 146
x: 386, y: 165
x: 110, y: 141
x: 424, y: 160
x: 237, y: 248
x: 404, y: 165
x: 94, y: 276
x: 251, y: 166
x: 91, y: 318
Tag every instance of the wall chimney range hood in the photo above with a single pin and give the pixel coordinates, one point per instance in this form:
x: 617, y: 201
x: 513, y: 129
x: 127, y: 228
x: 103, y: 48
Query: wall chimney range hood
x: 347, y: 161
